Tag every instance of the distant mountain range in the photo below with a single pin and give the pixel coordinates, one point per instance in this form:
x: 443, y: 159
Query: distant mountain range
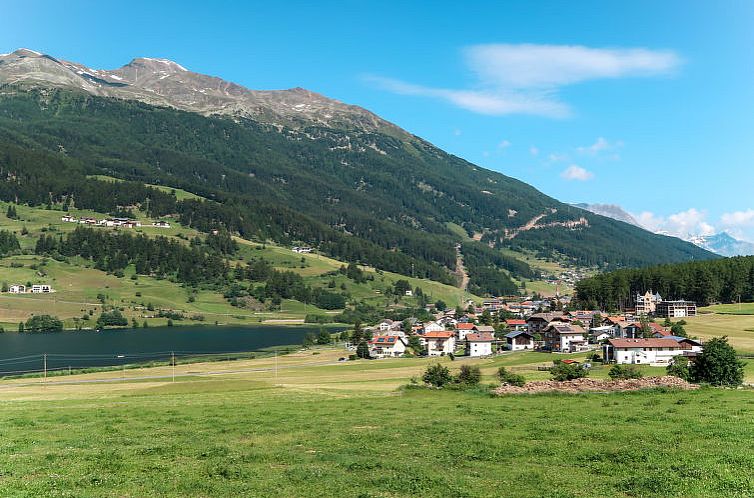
x: 611, y: 211
x: 294, y: 167
x: 721, y: 243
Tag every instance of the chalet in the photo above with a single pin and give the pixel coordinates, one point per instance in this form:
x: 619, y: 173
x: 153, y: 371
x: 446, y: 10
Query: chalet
x: 386, y: 324
x: 69, y: 219
x: 687, y: 344
x: 302, y: 250
x: 642, y: 351
x: 40, y: 289
x: 629, y: 330
x: 464, y: 328
x: 439, y: 343
x: 564, y: 338
x: 519, y: 340
x: 658, y: 330
x: 676, y: 309
x: 161, y: 224
x: 433, y: 327
x: 88, y: 221
x: 599, y: 334
x: 539, y: 321
x: 479, y: 344
x: 387, y: 346
x: 516, y: 324
x: 17, y: 289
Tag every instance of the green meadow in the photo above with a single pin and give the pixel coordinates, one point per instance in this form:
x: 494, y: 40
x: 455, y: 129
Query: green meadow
x: 317, y: 427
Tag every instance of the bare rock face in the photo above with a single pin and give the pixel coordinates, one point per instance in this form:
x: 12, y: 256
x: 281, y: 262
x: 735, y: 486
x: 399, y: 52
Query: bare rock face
x: 167, y: 83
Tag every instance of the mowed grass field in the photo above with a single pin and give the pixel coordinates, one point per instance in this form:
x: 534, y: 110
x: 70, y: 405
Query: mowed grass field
x: 318, y: 427
x: 732, y: 320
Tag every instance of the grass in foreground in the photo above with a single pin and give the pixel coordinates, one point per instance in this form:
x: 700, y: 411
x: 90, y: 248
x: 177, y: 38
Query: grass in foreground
x: 344, y: 430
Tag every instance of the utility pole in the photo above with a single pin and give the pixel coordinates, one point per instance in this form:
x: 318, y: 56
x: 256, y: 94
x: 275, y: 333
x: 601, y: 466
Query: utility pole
x: 44, y: 379
x: 172, y: 361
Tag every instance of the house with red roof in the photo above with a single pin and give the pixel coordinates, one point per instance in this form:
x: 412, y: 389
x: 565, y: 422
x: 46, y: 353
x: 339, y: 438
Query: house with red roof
x: 464, y: 328
x: 479, y: 344
x: 439, y: 343
x: 387, y: 346
x: 652, y: 351
x: 516, y: 325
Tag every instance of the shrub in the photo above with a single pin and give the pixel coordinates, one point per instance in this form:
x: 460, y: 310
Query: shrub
x: 718, y: 364
x: 437, y: 375
x: 567, y: 371
x: 679, y: 368
x: 42, y: 323
x: 622, y: 372
x: 469, y: 375
x: 511, y: 378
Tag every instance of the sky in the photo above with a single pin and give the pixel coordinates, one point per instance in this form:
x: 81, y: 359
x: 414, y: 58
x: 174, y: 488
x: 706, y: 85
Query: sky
x: 644, y: 104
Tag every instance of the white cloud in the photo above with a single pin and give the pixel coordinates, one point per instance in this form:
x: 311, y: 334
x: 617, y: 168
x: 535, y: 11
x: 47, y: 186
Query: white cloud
x: 534, y: 151
x: 557, y: 157
x: 525, y: 79
x: 576, y: 172
x: 682, y: 224
x: 504, y: 144
x: 738, y: 219
x: 600, y: 147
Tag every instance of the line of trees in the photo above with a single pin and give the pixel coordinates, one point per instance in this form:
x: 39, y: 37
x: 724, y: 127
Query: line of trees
x: 705, y: 282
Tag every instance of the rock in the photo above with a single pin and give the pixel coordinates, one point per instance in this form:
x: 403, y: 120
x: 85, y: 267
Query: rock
x: 596, y: 385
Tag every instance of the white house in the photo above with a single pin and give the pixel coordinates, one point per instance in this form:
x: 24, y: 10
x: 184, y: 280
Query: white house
x: 302, y: 250
x: 387, y: 346
x: 479, y: 344
x: 161, y: 224
x: 519, y: 340
x: 462, y: 329
x: 642, y: 351
x: 17, y: 289
x: 68, y: 218
x: 439, y: 343
x: 40, y: 288
x: 564, y: 337
x: 433, y: 327
x: 602, y: 332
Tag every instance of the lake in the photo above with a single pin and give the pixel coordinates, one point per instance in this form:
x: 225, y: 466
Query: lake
x: 85, y: 348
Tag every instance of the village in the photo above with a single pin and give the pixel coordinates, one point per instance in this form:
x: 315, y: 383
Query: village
x: 506, y: 325
x: 113, y: 222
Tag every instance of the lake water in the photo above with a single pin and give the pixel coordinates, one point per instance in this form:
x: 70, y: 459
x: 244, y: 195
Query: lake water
x: 24, y: 352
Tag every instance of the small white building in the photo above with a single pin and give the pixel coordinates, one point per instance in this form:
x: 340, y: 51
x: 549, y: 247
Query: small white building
x: 41, y: 289
x: 519, y: 340
x: 161, y: 224
x: 17, y: 289
x: 387, y: 346
x: 642, y: 351
x: 385, y: 325
x: 464, y: 328
x: 479, y: 344
x: 439, y: 343
x: 302, y: 250
x: 69, y: 219
x: 433, y: 327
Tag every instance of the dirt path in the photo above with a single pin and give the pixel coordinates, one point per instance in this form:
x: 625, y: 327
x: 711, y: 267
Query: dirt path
x: 461, y: 269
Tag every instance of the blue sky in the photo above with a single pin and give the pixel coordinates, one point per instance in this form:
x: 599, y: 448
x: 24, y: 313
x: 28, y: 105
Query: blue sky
x: 649, y: 105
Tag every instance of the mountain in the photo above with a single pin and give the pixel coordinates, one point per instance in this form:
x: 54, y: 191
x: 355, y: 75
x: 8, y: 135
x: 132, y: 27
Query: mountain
x: 611, y: 211
x: 725, y: 245
x: 167, y: 83
x: 290, y: 166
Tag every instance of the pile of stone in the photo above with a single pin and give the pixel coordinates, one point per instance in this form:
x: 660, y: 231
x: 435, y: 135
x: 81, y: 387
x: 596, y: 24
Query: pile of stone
x: 596, y: 385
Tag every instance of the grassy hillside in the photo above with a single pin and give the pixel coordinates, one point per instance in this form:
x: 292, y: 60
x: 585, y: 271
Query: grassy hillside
x: 361, y: 197
x: 317, y: 428
x: 79, y: 286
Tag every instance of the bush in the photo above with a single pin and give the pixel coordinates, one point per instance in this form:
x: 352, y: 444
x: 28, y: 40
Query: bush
x: 437, y: 375
x: 42, y: 323
x: 718, y: 364
x: 622, y: 372
x: 469, y: 375
x: 567, y: 371
x: 511, y: 378
x: 679, y: 368
x: 112, y: 318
